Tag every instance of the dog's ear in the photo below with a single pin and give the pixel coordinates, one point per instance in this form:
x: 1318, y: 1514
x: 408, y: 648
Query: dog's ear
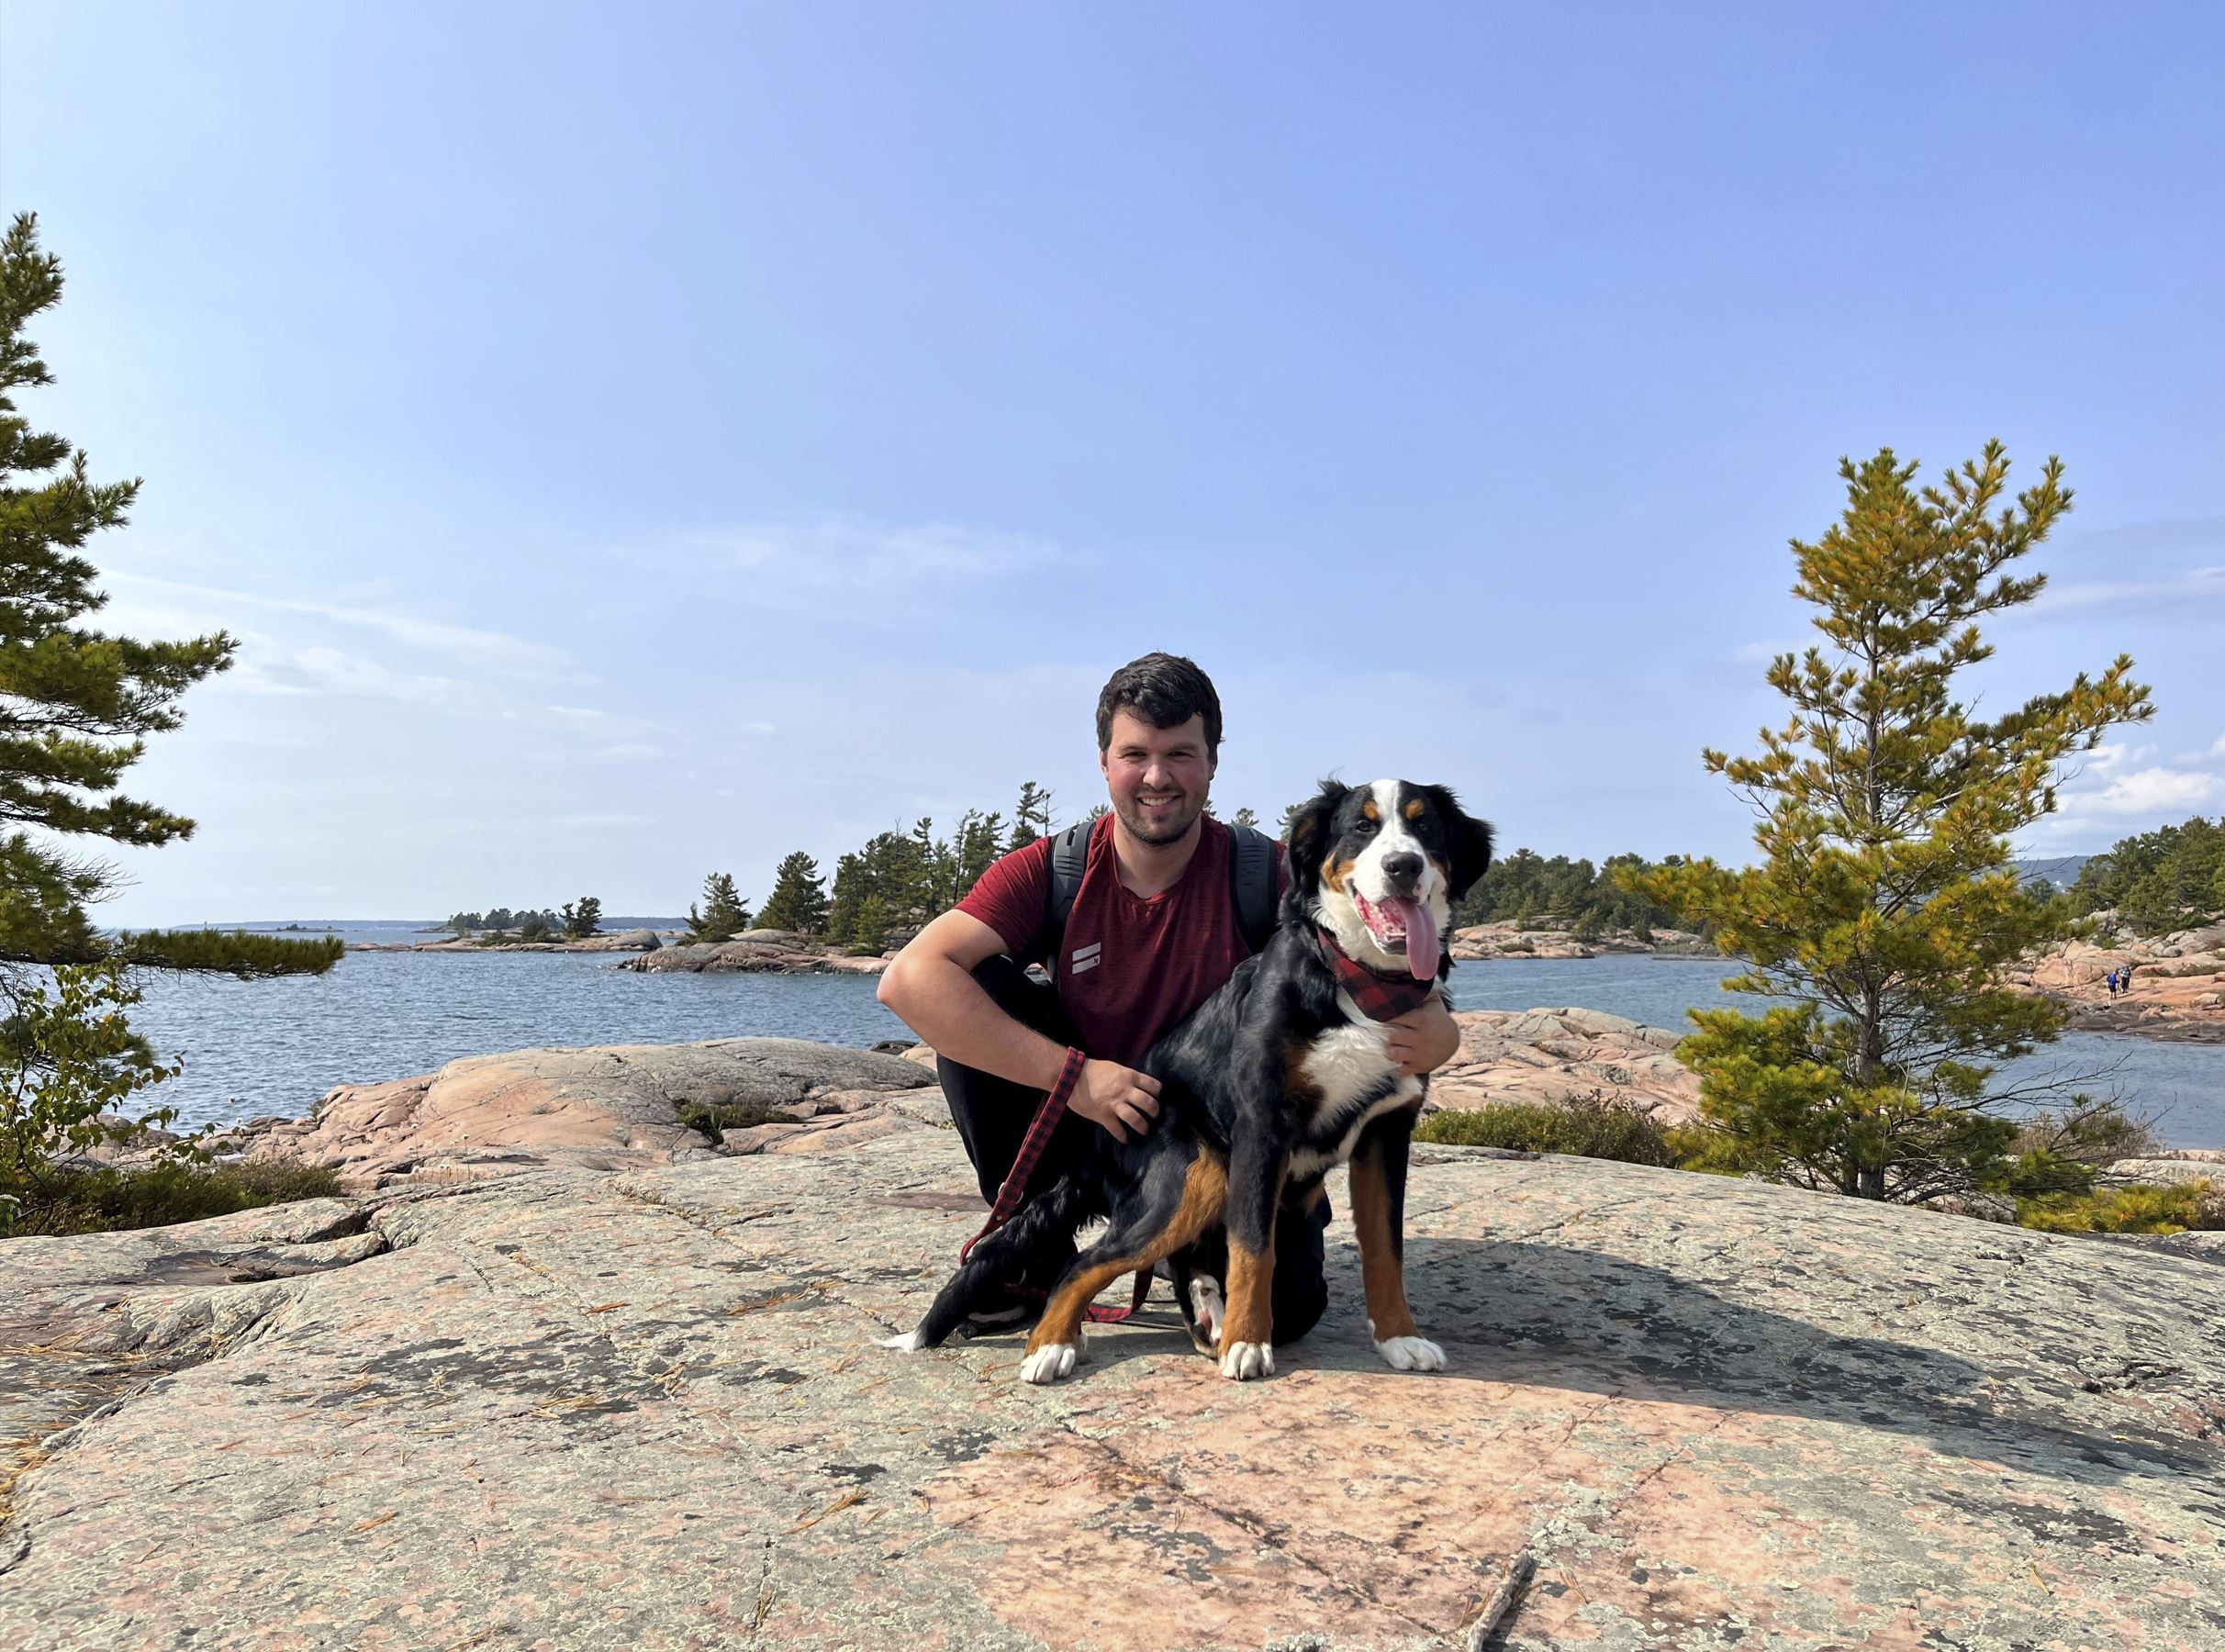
x: 1471, y: 841
x: 1308, y: 838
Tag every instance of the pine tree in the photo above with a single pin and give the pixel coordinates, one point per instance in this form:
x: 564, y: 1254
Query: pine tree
x: 1031, y: 816
x: 981, y: 839
x: 798, y: 900
x: 581, y: 920
x: 1246, y: 817
x: 723, y: 913
x: 76, y: 704
x: 871, y: 933
x: 1884, y: 906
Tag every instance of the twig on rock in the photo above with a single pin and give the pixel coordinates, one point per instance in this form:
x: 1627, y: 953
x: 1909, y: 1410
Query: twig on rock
x: 1519, y: 1572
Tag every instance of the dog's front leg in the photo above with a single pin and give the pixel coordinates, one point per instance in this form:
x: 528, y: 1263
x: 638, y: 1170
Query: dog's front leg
x: 1378, y: 1215
x: 1256, y: 1169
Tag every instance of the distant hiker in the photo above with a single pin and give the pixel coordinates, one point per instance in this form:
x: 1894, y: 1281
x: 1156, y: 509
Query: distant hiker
x: 2109, y: 981
x: 2124, y: 979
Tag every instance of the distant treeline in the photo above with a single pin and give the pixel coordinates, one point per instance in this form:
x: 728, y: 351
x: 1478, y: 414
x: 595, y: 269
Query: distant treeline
x: 2172, y: 878
x: 896, y: 881
x: 1524, y: 887
x: 575, y: 919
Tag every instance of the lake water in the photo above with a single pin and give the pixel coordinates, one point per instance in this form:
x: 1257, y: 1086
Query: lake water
x: 253, y: 1047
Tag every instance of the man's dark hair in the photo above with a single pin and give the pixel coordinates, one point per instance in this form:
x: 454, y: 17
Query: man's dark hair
x: 1165, y: 691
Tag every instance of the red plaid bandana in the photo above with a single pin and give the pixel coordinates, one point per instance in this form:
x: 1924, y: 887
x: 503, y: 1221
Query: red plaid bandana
x: 1380, y: 997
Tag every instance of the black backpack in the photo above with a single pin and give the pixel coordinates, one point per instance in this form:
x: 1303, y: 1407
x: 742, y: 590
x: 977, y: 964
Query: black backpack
x: 1252, y: 885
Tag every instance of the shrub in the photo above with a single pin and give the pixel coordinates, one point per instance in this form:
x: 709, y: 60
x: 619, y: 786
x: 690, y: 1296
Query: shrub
x: 1591, y: 1126
x: 2141, y: 1209
x: 109, y: 1197
x: 69, y: 1064
x: 715, y: 1119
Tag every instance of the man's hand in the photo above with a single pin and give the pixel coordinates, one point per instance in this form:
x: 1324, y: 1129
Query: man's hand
x: 1421, y: 1041
x: 1119, y: 1098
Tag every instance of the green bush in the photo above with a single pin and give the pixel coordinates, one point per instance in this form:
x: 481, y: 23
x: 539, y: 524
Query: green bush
x: 1591, y: 1126
x: 100, y: 1201
x: 715, y: 1119
x: 2140, y: 1209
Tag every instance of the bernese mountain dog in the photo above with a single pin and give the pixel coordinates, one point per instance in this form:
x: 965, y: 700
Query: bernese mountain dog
x: 1270, y: 1083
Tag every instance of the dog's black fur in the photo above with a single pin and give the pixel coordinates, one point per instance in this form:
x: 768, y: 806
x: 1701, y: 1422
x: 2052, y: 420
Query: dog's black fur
x: 1263, y: 1088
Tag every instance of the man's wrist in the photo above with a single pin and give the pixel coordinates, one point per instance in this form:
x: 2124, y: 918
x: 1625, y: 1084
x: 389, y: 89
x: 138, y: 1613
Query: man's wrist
x: 1048, y: 1064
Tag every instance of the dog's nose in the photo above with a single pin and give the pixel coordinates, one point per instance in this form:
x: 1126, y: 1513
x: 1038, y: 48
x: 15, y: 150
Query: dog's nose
x: 1402, y: 870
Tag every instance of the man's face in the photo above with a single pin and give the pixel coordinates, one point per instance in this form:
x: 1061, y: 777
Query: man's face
x: 1159, y: 778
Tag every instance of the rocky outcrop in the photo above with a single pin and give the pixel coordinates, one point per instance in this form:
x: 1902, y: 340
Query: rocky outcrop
x: 2178, y: 991
x: 617, y: 1107
x: 1556, y: 1056
x: 759, y: 952
x: 1511, y: 940
x: 641, y: 1409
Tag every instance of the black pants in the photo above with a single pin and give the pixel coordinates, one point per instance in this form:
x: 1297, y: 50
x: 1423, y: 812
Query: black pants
x: 992, y: 1115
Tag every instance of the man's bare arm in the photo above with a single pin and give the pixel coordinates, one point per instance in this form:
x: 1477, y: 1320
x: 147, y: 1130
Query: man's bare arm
x: 930, y: 985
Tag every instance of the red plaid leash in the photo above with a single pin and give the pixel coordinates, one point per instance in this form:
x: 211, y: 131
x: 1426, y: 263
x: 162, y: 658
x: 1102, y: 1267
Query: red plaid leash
x: 1014, y: 1192
x: 1380, y: 997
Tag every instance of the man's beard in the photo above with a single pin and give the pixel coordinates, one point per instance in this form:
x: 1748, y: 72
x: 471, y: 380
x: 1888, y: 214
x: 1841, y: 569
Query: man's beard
x: 1171, y: 831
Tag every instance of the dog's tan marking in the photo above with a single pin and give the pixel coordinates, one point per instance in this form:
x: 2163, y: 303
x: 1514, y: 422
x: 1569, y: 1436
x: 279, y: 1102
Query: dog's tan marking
x: 1335, y: 873
x: 1379, y: 1262
x: 1251, y: 1295
x: 1370, y: 810
x: 1204, y: 1199
x: 1415, y: 806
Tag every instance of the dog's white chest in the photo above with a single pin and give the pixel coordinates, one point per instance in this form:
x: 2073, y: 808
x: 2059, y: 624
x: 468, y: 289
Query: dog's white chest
x: 1347, y: 1064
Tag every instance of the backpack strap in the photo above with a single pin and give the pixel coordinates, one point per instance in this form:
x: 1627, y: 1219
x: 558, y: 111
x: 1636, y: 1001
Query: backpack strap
x: 1251, y: 879
x: 1070, y: 859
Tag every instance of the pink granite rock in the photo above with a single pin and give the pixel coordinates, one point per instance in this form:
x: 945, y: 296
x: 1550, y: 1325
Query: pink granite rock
x: 573, y: 1410
x: 1555, y: 1055
x: 609, y: 1107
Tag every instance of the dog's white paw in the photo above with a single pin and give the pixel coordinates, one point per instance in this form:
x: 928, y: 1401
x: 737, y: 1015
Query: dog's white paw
x: 1412, y: 1353
x: 1245, y: 1360
x: 1050, y: 1362
x: 907, y: 1344
x: 1207, y: 1306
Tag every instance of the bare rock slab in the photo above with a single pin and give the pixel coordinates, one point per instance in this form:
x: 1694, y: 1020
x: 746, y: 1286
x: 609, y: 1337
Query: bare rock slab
x: 1550, y: 1057
x: 604, y: 1108
x: 579, y: 1410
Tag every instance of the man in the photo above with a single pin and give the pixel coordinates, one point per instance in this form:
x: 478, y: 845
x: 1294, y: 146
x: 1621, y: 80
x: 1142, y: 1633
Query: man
x: 1152, y: 935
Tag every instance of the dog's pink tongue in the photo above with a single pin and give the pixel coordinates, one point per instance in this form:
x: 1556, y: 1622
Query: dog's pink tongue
x: 1421, y: 937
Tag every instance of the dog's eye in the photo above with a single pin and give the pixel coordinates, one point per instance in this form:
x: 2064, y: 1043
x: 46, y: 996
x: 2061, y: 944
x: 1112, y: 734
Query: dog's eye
x: 1364, y: 827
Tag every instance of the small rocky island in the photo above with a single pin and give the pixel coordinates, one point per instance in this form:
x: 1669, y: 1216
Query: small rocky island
x: 571, y: 1371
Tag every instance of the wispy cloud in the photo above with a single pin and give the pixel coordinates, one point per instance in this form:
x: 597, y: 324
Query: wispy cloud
x: 804, y: 558
x: 2145, y: 791
x: 2149, y: 539
x: 2195, y: 584
x: 269, y: 666
x: 490, y: 649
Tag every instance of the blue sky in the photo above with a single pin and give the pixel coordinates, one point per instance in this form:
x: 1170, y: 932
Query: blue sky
x: 631, y: 442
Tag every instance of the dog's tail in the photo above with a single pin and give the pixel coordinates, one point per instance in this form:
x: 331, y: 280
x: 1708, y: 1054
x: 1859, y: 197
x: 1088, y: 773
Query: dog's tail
x: 1040, y: 1233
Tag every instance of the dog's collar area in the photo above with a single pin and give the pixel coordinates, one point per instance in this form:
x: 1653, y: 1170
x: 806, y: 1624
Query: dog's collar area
x: 1381, y: 997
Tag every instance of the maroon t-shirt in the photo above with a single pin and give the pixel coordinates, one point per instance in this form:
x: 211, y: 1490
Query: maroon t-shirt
x: 1130, y: 966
